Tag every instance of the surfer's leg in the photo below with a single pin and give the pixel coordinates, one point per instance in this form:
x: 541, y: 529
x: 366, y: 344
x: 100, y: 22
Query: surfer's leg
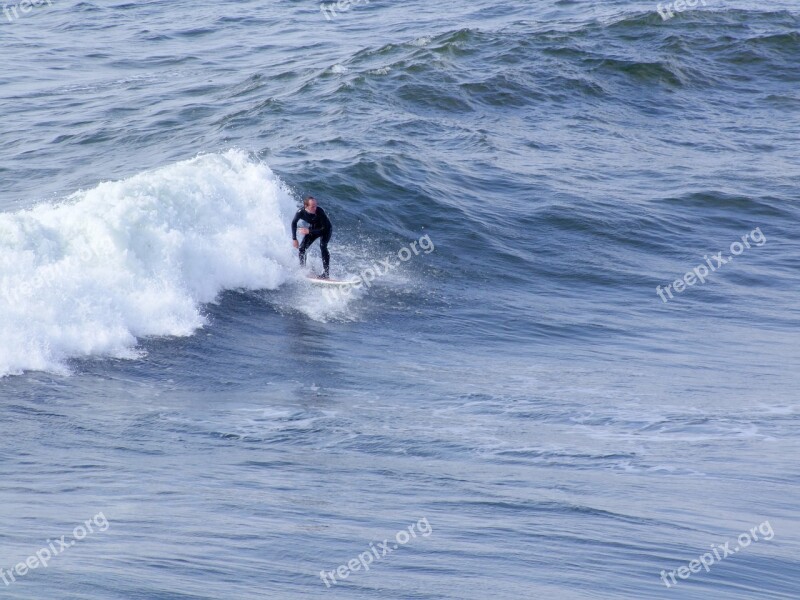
x: 307, y: 241
x: 326, y: 257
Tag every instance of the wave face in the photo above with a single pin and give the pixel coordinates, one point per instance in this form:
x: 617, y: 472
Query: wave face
x: 138, y: 257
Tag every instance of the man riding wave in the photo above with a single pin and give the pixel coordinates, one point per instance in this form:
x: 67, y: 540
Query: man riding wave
x: 320, y: 227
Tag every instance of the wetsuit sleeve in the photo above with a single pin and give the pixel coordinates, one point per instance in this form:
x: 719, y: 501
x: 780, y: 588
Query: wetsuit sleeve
x: 294, y: 225
x: 324, y: 224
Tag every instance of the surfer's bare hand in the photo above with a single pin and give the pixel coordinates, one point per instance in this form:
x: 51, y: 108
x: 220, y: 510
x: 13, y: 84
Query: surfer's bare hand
x: 295, y: 244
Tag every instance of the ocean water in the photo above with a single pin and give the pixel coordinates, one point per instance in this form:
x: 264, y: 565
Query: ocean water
x: 522, y: 400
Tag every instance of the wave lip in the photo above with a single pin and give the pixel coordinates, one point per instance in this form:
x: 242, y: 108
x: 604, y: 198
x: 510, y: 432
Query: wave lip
x: 139, y: 257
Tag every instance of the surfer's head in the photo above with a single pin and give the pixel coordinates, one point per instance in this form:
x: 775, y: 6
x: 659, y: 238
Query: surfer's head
x: 310, y: 204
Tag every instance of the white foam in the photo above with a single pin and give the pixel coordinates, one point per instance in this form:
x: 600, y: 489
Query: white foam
x: 138, y: 257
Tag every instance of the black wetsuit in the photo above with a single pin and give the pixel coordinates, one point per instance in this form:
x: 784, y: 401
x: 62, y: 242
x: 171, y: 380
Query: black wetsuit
x: 319, y: 227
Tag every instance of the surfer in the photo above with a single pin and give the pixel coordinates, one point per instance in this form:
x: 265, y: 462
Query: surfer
x: 320, y: 227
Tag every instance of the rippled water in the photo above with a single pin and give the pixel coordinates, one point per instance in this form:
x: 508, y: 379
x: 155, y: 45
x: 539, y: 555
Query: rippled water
x: 521, y: 386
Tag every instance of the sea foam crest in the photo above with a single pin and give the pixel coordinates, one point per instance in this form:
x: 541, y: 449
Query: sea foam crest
x: 90, y: 275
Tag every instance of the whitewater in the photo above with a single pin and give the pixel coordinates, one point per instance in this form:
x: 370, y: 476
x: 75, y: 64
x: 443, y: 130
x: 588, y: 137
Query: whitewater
x: 92, y: 273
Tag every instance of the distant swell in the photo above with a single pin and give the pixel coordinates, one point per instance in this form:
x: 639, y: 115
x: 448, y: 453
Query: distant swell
x: 138, y: 257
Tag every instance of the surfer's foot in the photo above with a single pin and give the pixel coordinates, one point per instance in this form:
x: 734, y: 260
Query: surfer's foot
x: 324, y: 276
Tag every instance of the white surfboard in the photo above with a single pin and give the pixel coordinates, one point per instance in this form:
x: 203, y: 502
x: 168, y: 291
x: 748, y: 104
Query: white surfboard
x: 331, y: 282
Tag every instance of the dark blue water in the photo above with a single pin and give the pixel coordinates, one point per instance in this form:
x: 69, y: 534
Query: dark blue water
x: 515, y: 388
